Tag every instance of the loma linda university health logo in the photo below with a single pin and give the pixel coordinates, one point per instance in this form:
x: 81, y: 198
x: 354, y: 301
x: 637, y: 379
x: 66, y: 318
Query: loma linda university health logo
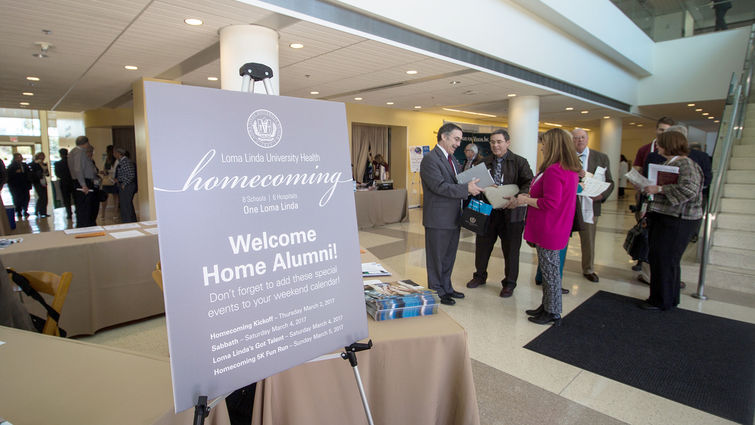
x: 264, y: 128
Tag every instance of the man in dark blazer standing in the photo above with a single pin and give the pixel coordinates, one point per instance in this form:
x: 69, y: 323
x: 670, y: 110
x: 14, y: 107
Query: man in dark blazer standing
x: 591, y: 160
x: 441, y: 211
x: 506, y: 223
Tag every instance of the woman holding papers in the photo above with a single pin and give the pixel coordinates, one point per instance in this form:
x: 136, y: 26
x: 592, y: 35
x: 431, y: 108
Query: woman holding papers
x: 550, y: 215
x: 672, y: 213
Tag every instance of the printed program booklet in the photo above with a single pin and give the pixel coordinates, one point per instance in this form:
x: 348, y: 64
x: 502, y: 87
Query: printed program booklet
x: 403, y: 298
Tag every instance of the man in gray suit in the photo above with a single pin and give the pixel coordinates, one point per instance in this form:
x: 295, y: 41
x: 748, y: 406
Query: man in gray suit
x: 441, y: 211
x: 592, y: 161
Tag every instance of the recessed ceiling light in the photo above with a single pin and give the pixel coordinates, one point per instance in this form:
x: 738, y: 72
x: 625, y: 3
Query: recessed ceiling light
x: 212, y: 78
x: 569, y: 108
x: 27, y: 93
x: 584, y: 112
x: 411, y: 71
x: 606, y: 117
x: 357, y: 98
x: 453, y: 83
x: 389, y: 103
x: 699, y: 110
x: 23, y: 103
x: 511, y: 95
x: 639, y: 125
x: 631, y: 123
x: 296, y: 45
x: 711, y: 117
x: 32, y: 78
x: 193, y: 21
x: 706, y: 113
x: 417, y: 107
x: 690, y: 104
x: 717, y: 121
x: 131, y: 67
x: 314, y: 92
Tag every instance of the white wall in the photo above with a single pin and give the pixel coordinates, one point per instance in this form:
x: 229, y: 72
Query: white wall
x: 694, y: 68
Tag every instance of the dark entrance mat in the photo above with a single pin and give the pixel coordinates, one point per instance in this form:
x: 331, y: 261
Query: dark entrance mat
x: 702, y: 361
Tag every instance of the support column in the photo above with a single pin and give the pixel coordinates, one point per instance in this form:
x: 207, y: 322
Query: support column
x: 524, y: 113
x: 45, y: 138
x: 610, y: 144
x: 240, y: 44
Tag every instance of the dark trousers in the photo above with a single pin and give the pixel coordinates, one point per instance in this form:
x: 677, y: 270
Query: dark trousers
x: 440, y: 256
x: 126, y: 199
x: 668, y: 237
x: 511, y: 240
x: 41, y: 207
x: 66, y: 192
x: 20, y: 197
x: 85, y: 206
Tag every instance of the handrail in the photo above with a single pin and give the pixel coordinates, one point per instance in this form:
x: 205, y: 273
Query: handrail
x: 739, y: 96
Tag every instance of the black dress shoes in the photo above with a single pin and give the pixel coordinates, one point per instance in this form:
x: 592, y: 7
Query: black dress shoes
x: 507, y: 290
x: 647, y: 306
x: 447, y: 300
x: 536, y: 312
x: 592, y: 277
x: 457, y: 294
x: 544, y: 318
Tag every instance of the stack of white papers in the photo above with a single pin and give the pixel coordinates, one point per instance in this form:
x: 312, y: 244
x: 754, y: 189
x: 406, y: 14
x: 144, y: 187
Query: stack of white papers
x: 83, y: 230
x: 126, y: 234
x: 374, y: 269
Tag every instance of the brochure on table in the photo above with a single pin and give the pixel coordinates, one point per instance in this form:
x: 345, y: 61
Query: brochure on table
x: 258, y: 234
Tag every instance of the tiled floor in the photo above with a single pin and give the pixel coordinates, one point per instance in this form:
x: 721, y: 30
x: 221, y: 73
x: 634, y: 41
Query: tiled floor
x: 515, y: 385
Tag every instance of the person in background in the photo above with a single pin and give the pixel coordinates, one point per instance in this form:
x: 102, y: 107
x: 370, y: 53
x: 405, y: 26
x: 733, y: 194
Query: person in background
x: 109, y: 187
x: 550, y: 216
x: 96, y: 187
x: 40, y: 172
x: 83, y: 173
x: 472, y: 153
x: 125, y: 179
x: 506, y: 223
x: 380, y: 168
x: 623, y: 169
x: 19, y: 183
x: 66, y: 182
x: 4, y: 219
x: 642, y: 153
x: 721, y: 7
x: 671, y: 219
x: 591, y: 161
x: 441, y: 215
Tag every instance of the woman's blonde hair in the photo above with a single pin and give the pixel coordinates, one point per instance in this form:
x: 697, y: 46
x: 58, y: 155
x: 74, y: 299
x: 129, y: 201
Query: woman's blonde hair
x: 558, y: 147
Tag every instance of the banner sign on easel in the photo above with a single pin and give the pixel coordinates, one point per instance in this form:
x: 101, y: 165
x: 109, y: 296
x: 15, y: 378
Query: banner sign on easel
x: 258, y: 234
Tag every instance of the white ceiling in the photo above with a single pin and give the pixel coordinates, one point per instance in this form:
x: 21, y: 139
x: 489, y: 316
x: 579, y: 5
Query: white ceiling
x: 92, y: 41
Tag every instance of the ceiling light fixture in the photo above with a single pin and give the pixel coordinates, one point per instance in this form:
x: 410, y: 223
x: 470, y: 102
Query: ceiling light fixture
x: 212, y: 78
x: 389, y: 103
x: 453, y: 83
x: 23, y: 103
x: 690, y: 104
x: 32, y: 78
x: 469, y: 112
x: 717, y: 121
x: 631, y: 123
x: 552, y: 124
x: 357, y: 98
x: 511, y: 95
x: 43, y: 48
x: 639, y: 125
x: 417, y: 107
x: 569, y: 108
x: 27, y: 93
x: 606, y: 117
x: 296, y: 45
x: 699, y: 110
x: 706, y: 113
x: 711, y: 117
x: 193, y: 21
x: 584, y: 112
x: 131, y: 67
x: 314, y: 92
x: 412, y: 71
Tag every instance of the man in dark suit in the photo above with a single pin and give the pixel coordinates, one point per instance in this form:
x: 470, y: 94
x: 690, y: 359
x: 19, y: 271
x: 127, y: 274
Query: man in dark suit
x: 592, y: 161
x: 441, y: 211
x: 506, y: 223
x: 66, y: 182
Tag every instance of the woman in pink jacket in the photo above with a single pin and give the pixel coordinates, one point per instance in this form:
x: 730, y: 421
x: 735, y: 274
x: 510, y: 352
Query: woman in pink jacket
x: 550, y: 215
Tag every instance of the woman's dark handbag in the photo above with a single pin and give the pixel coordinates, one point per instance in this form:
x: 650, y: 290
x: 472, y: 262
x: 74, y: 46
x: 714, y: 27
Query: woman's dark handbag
x: 476, y: 216
x: 636, y: 243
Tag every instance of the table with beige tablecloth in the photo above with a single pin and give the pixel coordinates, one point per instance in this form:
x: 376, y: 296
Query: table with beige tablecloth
x: 380, y: 207
x: 112, y: 278
x: 52, y: 380
x: 418, y: 372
